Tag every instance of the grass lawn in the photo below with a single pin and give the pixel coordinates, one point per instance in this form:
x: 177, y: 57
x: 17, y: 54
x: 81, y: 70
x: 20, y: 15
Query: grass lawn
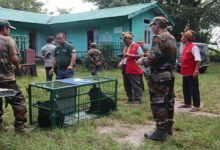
x: 191, y: 132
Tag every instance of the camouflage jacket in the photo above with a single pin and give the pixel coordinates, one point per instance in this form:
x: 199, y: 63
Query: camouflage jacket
x: 95, y: 56
x: 162, y: 56
x: 7, y: 49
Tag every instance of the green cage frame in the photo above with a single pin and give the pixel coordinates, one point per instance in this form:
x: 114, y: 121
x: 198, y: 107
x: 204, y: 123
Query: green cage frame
x: 79, y: 100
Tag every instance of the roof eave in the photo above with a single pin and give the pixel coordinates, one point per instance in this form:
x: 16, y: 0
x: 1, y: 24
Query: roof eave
x: 155, y: 5
x: 55, y: 23
x: 18, y: 21
x: 166, y: 14
x: 134, y: 14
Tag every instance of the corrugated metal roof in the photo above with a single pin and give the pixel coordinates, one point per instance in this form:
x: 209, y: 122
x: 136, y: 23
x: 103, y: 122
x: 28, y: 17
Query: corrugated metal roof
x: 103, y: 13
x: 37, y: 18
x: 23, y: 16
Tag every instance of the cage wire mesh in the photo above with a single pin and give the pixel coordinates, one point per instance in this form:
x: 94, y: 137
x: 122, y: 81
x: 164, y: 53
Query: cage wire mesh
x: 55, y: 104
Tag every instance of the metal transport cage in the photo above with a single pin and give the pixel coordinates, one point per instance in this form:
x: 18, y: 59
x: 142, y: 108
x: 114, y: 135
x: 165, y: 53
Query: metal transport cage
x: 65, y: 102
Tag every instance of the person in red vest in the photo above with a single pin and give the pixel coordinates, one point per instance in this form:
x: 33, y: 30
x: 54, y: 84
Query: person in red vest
x: 131, y: 72
x: 190, y: 63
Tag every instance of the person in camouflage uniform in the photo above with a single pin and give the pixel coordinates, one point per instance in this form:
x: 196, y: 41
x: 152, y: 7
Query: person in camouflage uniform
x: 8, y: 59
x: 161, y: 60
x: 95, y: 59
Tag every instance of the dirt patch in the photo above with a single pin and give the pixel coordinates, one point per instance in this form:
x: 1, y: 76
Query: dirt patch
x: 125, y: 133
x: 134, y: 134
x: 187, y: 110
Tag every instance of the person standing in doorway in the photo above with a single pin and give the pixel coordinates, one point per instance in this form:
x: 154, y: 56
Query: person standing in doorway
x: 131, y: 72
x: 47, y: 53
x: 8, y: 59
x: 65, y: 58
x: 161, y: 60
x: 190, y: 62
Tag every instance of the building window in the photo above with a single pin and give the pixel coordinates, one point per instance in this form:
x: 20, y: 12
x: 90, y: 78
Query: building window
x: 147, y: 36
x: 107, y: 37
x: 117, y: 30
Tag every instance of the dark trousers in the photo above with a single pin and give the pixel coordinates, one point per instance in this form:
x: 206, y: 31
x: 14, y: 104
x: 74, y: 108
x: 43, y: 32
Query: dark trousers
x: 1, y: 110
x: 17, y: 102
x: 191, y: 90
x: 132, y: 85
x: 48, y: 75
x: 64, y: 74
x: 142, y: 83
x: 94, y: 69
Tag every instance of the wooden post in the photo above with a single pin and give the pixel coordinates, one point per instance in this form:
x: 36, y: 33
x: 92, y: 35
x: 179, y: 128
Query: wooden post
x: 29, y: 68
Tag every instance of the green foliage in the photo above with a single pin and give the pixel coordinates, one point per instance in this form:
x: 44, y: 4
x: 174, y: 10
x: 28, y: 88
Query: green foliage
x: 214, y: 55
x: 110, y: 50
x: 25, y: 5
x: 198, y: 15
x: 108, y: 3
x: 64, y: 11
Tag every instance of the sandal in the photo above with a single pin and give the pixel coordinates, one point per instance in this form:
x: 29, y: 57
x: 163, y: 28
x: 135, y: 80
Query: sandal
x: 194, y: 109
x: 185, y: 106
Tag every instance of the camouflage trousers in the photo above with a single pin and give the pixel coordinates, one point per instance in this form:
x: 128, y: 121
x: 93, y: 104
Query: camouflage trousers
x: 17, y: 102
x: 161, y: 91
x: 94, y: 69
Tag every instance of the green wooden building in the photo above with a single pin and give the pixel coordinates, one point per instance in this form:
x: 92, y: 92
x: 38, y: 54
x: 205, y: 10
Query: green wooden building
x: 104, y: 25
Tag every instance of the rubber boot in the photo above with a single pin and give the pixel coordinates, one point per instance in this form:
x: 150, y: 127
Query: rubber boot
x: 170, y: 128
x: 22, y: 129
x: 158, y: 135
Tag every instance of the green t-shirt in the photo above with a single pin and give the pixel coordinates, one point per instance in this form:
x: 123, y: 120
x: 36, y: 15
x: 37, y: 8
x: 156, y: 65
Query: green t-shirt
x: 63, y: 55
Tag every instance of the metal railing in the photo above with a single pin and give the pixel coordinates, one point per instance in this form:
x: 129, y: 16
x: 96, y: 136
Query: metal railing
x: 21, y: 44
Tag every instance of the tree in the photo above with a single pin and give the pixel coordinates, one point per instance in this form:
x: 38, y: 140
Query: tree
x: 25, y: 5
x: 101, y: 3
x: 64, y: 11
x: 199, y: 15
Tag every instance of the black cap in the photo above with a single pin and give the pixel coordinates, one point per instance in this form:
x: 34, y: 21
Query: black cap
x: 5, y: 23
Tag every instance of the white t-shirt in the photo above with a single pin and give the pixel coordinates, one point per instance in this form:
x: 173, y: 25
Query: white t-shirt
x: 196, y: 53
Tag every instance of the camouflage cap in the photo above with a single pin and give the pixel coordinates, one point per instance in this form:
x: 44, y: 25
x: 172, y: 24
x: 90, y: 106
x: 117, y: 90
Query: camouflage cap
x: 160, y: 19
x: 189, y: 34
x: 5, y: 23
x: 126, y: 35
x: 94, y: 44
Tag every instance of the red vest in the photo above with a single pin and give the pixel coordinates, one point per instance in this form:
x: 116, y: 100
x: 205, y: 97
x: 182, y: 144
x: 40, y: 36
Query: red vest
x: 131, y: 66
x: 188, y: 63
